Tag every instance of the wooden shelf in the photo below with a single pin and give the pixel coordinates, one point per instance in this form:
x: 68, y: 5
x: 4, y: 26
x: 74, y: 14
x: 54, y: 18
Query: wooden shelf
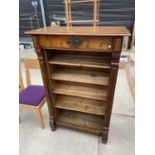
x: 80, y: 121
x: 81, y: 90
x: 80, y: 61
x: 80, y: 104
x: 83, y: 76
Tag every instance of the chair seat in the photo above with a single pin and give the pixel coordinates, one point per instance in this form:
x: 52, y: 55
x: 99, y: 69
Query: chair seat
x: 32, y: 95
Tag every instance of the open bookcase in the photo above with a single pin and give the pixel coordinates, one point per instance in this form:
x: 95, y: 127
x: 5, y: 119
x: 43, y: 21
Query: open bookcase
x: 79, y: 87
x: 79, y: 68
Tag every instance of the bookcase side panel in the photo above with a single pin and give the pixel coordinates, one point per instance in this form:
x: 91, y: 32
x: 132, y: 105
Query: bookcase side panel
x: 42, y: 61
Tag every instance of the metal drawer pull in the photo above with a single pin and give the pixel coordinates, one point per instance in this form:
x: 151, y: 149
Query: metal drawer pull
x: 73, y: 42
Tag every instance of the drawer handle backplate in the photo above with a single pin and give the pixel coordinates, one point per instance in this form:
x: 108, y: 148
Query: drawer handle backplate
x: 73, y: 42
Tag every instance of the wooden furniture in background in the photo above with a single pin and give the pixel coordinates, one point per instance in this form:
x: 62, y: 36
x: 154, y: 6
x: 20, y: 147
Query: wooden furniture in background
x: 33, y: 96
x: 21, y: 85
x: 68, y: 11
x: 79, y: 68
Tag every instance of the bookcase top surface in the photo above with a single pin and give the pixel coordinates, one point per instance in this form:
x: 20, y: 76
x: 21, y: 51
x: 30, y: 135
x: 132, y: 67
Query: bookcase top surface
x: 82, y: 30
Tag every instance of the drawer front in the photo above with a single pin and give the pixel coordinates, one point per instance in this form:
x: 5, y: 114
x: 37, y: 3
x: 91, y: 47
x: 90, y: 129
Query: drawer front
x: 76, y: 42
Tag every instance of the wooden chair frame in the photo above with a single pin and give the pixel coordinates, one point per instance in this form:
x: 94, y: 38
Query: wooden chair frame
x: 68, y: 12
x: 31, y: 64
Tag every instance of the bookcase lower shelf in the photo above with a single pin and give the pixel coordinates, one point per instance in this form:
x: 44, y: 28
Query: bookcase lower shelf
x: 80, y: 121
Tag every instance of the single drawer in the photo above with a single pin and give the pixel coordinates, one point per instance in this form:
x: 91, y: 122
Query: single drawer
x: 76, y: 42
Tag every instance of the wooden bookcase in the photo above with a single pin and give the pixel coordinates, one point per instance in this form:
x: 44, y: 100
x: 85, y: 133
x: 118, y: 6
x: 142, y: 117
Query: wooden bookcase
x: 79, y: 68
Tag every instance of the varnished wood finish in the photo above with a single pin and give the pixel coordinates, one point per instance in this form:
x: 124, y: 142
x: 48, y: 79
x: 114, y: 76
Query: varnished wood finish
x: 80, y: 121
x: 84, y: 90
x: 104, y: 44
x: 80, y: 104
x: 80, y: 61
x: 80, y: 76
x: 82, y: 31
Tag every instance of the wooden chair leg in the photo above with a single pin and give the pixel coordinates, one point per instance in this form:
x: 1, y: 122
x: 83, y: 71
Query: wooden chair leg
x: 40, y: 118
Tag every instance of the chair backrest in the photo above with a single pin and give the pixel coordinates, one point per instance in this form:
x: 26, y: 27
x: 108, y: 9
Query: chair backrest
x: 68, y: 12
x: 30, y: 64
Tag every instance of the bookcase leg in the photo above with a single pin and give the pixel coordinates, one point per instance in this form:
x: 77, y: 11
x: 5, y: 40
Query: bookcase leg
x: 52, y: 124
x: 105, y: 135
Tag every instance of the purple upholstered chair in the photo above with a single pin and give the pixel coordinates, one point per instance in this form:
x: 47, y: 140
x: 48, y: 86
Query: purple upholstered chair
x: 33, y: 96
